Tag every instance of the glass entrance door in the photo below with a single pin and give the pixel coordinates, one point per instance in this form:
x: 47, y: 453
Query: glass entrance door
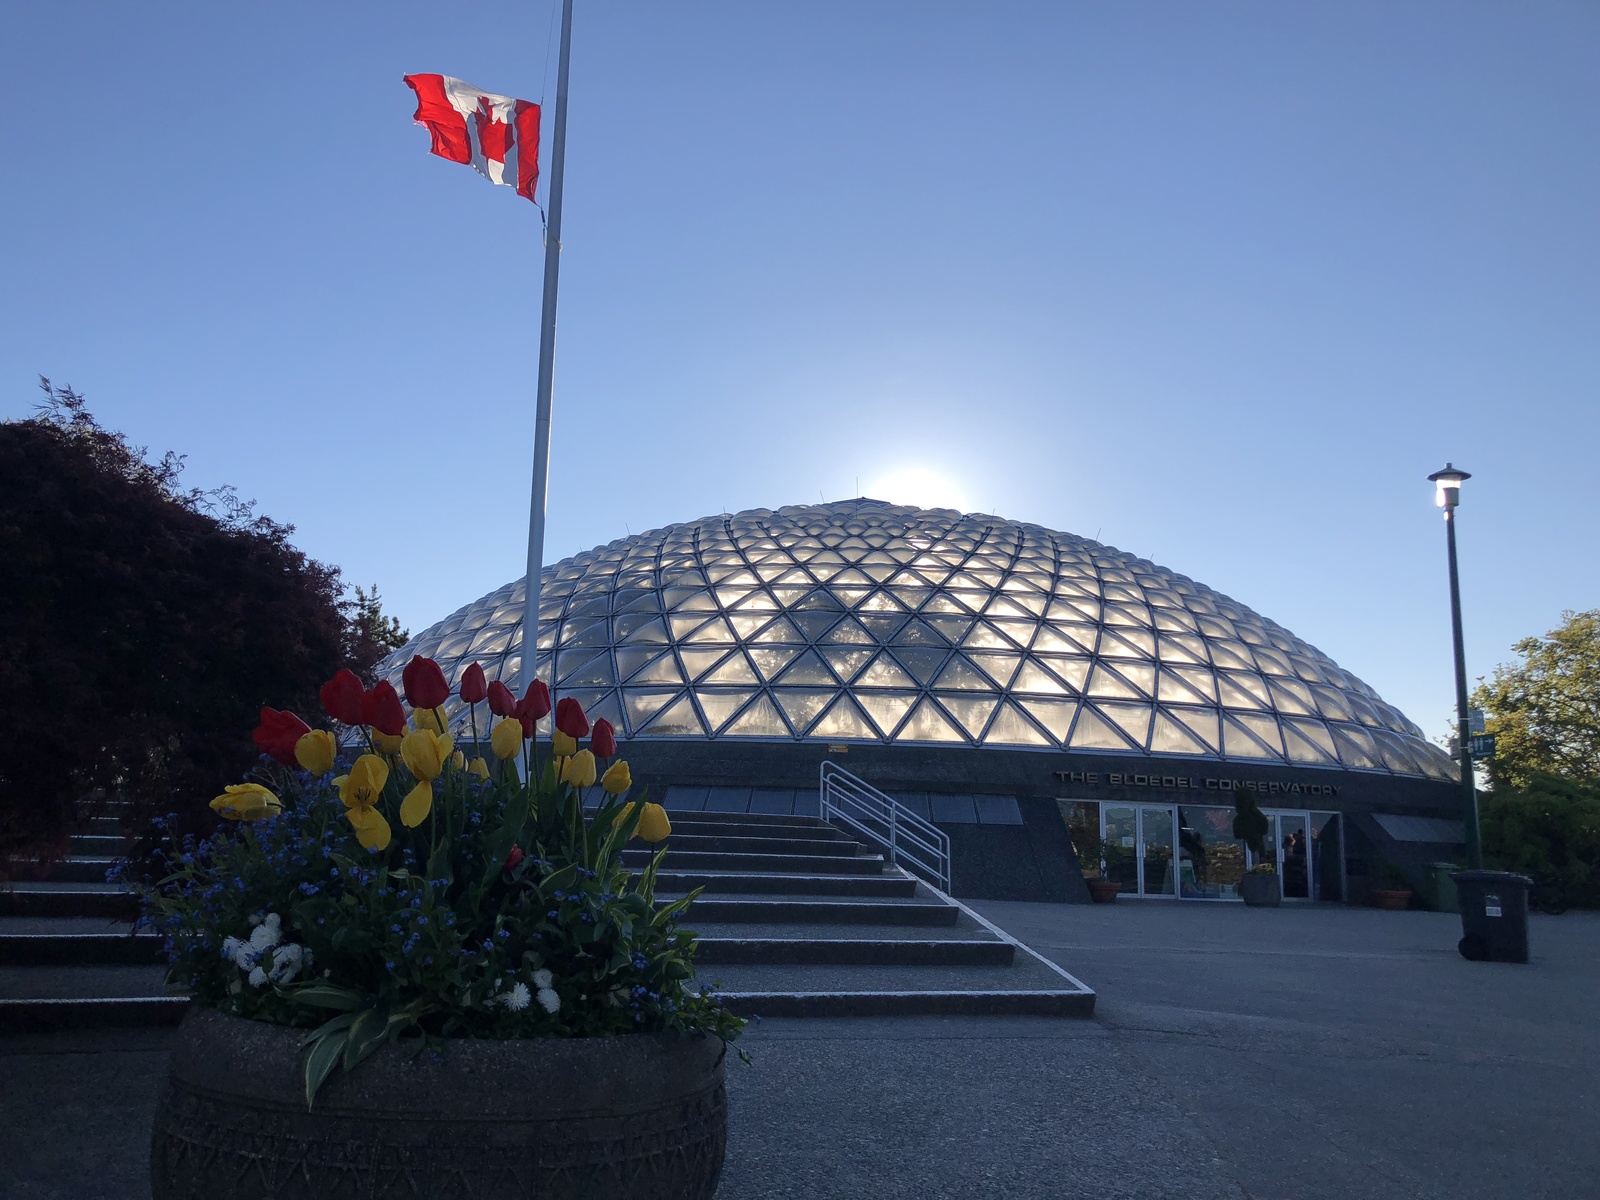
x: 1294, y: 864
x: 1157, y: 863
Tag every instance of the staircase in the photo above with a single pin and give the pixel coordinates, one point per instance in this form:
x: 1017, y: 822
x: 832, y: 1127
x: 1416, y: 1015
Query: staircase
x: 796, y: 919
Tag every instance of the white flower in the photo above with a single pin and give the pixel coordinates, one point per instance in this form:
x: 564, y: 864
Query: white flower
x: 258, y: 978
x: 287, y: 962
x: 267, y: 934
x: 231, y: 947
x: 517, y: 998
x: 542, y: 979
x: 548, y: 1000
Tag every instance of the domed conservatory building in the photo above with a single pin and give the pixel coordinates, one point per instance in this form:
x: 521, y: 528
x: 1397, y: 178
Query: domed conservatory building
x: 1014, y: 685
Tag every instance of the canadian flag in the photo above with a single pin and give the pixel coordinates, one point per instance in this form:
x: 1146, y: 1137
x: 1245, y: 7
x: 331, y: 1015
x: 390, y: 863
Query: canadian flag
x: 499, y: 136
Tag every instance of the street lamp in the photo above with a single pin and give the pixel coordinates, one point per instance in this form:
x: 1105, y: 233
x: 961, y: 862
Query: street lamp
x: 1447, y: 495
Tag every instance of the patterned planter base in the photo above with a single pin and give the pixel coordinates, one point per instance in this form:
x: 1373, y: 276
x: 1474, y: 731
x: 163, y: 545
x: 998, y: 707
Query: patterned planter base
x: 1103, y: 891
x: 552, y: 1119
x: 1260, y: 889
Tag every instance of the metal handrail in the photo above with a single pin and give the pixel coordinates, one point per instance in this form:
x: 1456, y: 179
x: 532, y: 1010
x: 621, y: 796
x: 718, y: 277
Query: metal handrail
x: 884, y: 820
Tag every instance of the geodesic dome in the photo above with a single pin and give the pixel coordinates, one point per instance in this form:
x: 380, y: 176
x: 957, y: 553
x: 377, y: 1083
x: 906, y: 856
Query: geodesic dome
x: 862, y: 620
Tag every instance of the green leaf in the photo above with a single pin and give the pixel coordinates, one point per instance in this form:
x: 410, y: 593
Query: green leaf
x: 325, y: 995
x: 326, y: 1043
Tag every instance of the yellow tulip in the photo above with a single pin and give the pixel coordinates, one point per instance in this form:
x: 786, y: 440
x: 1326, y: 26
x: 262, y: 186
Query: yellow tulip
x: 372, y: 829
x: 458, y: 760
x: 479, y: 768
x: 414, y: 809
x: 386, y: 743
x: 246, y: 802
x: 616, y: 780
x: 316, y: 751
x: 561, y: 745
x: 578, y: 770
x: 653, y: 823
x: 425, y: 753
x: 506, y: 740
x: 427, y: 718
x: 363, y: 787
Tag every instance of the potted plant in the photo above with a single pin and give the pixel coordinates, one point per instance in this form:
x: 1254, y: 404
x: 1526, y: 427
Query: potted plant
x: 1259, y: 886
x: 1390, y: 888
x: 416, y: 972
x: 1091, y: 851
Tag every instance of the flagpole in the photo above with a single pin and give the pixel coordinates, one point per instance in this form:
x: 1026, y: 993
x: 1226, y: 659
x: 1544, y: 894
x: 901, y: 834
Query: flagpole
x: 547, y: 365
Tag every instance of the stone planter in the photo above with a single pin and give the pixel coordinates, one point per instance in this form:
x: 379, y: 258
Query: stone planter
x: 556, y: 1119
x: 1394, y: 898
x: 1260, y: 889
x: 1103, y: 891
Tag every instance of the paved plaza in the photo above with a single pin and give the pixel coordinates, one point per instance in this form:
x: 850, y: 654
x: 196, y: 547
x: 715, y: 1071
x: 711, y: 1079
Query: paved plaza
x: 1288, y: 1054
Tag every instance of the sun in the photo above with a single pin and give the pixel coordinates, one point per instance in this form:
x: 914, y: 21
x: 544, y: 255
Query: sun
x: 919, y: 486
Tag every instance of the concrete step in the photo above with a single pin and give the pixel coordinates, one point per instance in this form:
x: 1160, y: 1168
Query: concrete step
x: 767, y: 910
x: 764, y: 820
x: 691, y: 860
x: 81, y: 982
x: 686, y: 842
x: 854, y: 951
x: 79, y: 868
x: 51, y: 899
x: 1038, y: 1002
x: 681, y: 823
x: 64, y: 948
x: 798, y: 883
x: 112, y: 845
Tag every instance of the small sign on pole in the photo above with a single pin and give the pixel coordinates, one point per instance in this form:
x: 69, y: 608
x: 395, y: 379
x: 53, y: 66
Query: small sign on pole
x: 1481, y: 746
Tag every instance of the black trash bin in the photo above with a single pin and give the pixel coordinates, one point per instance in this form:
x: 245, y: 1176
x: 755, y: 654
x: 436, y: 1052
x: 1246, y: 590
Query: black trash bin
x: 1494, y: 915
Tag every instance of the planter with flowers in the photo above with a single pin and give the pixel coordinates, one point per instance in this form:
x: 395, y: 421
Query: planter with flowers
x: 420, y: 968
x: 1259, y: 887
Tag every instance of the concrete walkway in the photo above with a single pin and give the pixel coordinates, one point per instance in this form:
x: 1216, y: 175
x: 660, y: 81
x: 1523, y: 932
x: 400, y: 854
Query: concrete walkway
x: 1298, y: 1054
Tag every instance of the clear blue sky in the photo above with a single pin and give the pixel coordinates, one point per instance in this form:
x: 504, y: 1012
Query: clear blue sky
x: 1218, y: 283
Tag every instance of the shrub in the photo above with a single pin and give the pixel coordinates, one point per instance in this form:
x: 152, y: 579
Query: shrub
x: 1550, y: 830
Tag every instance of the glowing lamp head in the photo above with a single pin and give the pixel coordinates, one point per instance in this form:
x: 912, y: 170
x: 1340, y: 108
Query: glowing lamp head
x: 1447, y: 486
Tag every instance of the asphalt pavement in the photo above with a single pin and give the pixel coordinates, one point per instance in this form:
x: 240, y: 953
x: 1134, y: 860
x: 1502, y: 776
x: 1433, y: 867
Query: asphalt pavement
x: 1287, y: 1054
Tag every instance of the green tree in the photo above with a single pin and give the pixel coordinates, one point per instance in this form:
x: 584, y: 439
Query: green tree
x: 1549, y: 829
x: 1544, y: 711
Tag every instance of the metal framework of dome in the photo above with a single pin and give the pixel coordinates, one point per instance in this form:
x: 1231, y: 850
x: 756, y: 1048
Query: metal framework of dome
x: 862, y: 620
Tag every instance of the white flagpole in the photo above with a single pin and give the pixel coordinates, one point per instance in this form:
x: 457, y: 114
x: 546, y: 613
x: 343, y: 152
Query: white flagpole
x: 547, y: 364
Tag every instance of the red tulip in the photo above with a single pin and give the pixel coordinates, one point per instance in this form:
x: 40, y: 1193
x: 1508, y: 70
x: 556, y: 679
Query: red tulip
x: 603, y: 741
x: 513, y: 859
x: 425, y: 683
x: 570, y: 719
x: 381, y: 709
x: 341, y: 696
x: 536, y: 703
x: 277, y: 734
x: 501, y: 702
x: 473, y: 685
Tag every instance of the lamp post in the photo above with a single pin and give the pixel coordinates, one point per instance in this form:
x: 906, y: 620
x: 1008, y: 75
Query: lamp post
x: 1447, y: 495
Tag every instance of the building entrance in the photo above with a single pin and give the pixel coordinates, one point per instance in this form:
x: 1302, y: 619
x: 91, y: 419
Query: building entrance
x: 1189, y: 852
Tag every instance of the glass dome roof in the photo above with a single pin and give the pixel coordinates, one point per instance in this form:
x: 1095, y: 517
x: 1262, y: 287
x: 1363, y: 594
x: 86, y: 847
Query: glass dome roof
x: 862, y: 620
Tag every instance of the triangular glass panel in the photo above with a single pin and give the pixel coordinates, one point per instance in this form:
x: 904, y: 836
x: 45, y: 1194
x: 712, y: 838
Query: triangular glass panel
x: 695, y: 662
x: 923, y: 664
x: 999, y: 666
x: 1248, y: 737
x: 596, y: 672
x: 845, y: 660
x: 850, y: 632
x: 630, y: 660
x: 781, y: 631
x: 1356, y: 748
x: 770, y: 660
x: 801, y: 706
x: 971, y: 712
x: 984, y: 636
x: 959, y: 674
x: 690, y: 600
x: 1292, y: 696
x: 719, y: 705
x: 714, y: 630
x: 1106, y: 682
x: 852, y: 575
x: 1032, y: 678
x: 570, y: 661
x: 885, y: 672
x: 759, y: 720
x: 1068, y: 639
x: 1308, y: 742
x: 851, y: 596
x: 942, y: 604
x: 591, y: 633
x: 1074, y: 672
x: 1169, y: 737
x: 1132, y: 719
x: 660, y: 670
x: 1174, y: 689
x: 952, y: 627
x: 684, y: 625
x: 845, y: 721
x: 1202, y: 722
x: 912, y: 597
x: 919, y: 633
x: 1011, y: 728
x: 1174, y: 650
x: 733, y: 669
x: 1230, y: 654
x: 1005, y: 606
x: 786, y: 596
x: 1093, y: 732
x: 807, y: 669
x: 820, y: 600
x: 963, y: 580
x: 882, y: 602
x: 1019, y: 632
x: 1235, y: 694
x: 887, y: 708
x: 744, y: 626
x: 678, y: 719
x: 754, y: 601
x: 816, y: 624
x: 644, y: 703
x: 928, y: 724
